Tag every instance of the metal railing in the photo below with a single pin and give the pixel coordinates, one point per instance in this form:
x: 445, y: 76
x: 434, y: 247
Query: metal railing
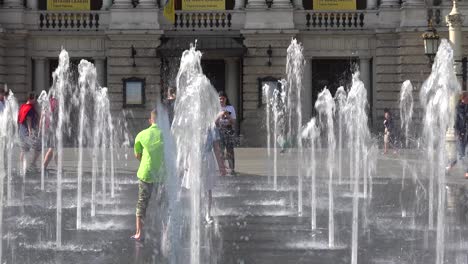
x: 336, y: 20
x: 207, y: 20
x: 70, y: 20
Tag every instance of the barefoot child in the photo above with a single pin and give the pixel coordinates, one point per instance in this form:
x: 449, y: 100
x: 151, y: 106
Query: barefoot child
x: 149, y: 151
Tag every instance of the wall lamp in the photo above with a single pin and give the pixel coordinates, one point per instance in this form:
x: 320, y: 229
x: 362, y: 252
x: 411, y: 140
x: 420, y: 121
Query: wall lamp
x: 431, y: 42
x: 269, y: 52
x: 133, y: 55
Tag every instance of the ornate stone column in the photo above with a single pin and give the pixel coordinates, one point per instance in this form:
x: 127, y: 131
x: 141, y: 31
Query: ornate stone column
x: 454, y: 22
x: 39, y: 83
x: 100, y: 71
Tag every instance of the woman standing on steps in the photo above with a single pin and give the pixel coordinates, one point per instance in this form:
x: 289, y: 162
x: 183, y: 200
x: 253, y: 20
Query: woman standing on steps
x: 226, y: 122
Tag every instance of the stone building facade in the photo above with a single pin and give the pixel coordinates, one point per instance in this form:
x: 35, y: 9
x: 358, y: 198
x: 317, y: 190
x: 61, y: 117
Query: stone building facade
x: 241, y: 45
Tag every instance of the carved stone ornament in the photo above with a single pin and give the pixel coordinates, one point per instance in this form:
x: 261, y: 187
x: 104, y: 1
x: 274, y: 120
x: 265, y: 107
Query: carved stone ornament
x: 455, y: 20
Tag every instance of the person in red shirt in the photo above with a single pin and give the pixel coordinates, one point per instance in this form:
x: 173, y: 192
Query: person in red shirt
x: 28, y: 122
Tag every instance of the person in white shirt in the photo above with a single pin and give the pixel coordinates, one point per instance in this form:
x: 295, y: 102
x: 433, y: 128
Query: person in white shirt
x: 226, y: 122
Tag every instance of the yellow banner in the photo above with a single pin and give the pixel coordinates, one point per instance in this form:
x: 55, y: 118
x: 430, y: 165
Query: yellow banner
x: 199, y: 5
x: 334, y: 4
x: 169, y: 11
x: 69, y: 5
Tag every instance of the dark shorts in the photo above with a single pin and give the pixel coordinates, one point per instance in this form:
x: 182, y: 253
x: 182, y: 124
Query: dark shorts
x: 30, y: 142
x: 49, y: 140
x: 144, y: 195
x: 228, y: 138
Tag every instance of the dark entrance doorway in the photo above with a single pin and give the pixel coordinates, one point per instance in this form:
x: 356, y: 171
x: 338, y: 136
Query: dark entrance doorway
x: 331, y: 73
x: 215, y: 72
x: 74, y: 62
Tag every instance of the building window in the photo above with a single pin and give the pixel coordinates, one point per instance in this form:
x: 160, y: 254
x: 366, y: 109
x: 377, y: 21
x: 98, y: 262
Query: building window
x: 133, y: 92
x: 263, y: 95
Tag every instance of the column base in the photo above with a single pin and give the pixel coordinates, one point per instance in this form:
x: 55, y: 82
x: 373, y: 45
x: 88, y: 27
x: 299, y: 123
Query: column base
x: 256, y: 6
x: 147, y: 6
x: 281, y: 5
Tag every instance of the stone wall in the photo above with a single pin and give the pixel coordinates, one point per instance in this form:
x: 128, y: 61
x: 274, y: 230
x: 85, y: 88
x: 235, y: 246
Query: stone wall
x: 255, y: 66
x: 3, y: 66
x: 16, y: 63
x: 119, y: 66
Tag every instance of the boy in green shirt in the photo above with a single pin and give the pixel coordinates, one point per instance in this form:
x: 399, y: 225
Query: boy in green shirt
x: 149, y: 151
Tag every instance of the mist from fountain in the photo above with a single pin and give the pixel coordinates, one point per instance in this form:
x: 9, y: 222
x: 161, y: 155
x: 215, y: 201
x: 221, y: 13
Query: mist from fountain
x: 325, y: 106
x: 311, y: 133
x: 196, y: 108
x: 61, y: 91
x: 435, y: 96
x: 293, y: 87
x: 8, y: 138
x: 359, y: 140
x: 46, y: 119
x: 340, y: 101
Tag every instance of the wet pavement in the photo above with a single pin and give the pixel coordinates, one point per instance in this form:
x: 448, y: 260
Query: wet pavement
x: 253, y: 222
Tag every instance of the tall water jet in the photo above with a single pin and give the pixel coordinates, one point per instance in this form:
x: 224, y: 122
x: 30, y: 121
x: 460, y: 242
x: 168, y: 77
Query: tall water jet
x: 46, y: 118
x: 86, y: 84
x: 171, y: 231
x: 294, y: 70
x: 9, y: 135
x: 406, y: 107
x: 266, y: 93
x: 340, y: 101
x: 100, y: 128
x: 311, y: 132
x: 359, y: 137
x: 196, y: 108
x: 435, y: 96
x: 61, y: 91
x: 325, y: 106
x: 278, y: 102
x: 406, y: 114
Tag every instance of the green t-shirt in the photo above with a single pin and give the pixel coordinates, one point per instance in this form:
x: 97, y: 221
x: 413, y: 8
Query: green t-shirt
x: 149, y: 143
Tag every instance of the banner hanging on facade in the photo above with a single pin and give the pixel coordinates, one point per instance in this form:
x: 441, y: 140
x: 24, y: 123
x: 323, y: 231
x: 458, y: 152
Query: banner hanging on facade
x: 334, y: 5
x: 69, y: 5
x: 200, y: 5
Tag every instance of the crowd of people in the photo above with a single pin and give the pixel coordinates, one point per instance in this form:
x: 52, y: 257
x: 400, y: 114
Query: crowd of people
x: 30, y: 120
